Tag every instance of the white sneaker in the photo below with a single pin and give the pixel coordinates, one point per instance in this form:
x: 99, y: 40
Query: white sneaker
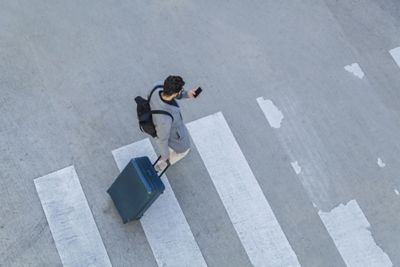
x: 175, y: 157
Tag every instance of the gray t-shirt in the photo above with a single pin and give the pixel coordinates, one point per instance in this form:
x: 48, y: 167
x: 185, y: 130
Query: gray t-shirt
x: 173, y: 134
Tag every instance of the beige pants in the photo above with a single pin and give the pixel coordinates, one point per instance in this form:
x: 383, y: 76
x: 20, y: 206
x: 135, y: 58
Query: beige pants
x: 175, y: 157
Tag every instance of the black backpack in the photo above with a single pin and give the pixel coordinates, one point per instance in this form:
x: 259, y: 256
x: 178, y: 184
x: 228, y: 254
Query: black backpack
x: 144, y: 114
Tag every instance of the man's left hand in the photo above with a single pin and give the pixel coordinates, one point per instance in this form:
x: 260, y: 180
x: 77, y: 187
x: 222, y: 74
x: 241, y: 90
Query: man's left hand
x: 192, y: 93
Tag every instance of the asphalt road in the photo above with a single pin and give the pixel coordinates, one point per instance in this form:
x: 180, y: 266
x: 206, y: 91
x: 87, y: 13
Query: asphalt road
x: 69, y: 71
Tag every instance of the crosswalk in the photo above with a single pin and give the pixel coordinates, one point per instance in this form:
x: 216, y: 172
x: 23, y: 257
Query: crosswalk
x: 247, y: 207
x: 165, y: 226
x: 70, y: 220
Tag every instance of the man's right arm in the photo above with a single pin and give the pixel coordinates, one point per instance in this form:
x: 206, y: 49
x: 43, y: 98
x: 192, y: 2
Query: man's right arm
x: 163, y: 129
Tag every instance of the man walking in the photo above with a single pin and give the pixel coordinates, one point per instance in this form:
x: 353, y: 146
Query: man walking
x: 172, y: 135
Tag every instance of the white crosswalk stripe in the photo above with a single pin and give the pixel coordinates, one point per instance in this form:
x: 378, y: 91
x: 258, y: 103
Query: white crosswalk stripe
x: 349, y: 230
x: 395, y: 52
x: 164, y: 223
x: 70, y: 220
x: 247, y: 207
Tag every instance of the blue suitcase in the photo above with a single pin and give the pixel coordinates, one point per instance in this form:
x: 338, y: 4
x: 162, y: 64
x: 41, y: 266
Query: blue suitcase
x: 136, y: 188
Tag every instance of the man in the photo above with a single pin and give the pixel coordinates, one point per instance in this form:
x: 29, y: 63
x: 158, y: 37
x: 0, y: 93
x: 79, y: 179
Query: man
x: 172, y: 135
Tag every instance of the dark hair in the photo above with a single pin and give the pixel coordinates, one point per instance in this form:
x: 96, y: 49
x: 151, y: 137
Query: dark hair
x: 173, y: 85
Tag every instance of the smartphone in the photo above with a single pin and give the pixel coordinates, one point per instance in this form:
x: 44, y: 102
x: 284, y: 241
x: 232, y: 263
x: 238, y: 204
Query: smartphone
x: 197, y: 92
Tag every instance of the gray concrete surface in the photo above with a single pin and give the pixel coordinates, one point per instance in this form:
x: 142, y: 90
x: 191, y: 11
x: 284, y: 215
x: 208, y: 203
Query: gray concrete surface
x: 69, y: 71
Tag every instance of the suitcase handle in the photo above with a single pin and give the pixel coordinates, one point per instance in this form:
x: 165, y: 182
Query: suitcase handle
x: 166, y: 168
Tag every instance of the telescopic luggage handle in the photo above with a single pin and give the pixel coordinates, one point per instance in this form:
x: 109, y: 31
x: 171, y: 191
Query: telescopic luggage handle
x: 166, y: 168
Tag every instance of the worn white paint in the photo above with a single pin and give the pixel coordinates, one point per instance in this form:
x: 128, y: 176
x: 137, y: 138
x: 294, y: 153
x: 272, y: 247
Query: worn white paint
x: 396, y: 191
x: 380, y: 163
x: 240, y: 193
x: 355, y: 69
x: 71, y: 222
x: 271, y: 112
x: 296, y: 167
x: 395, y: 52
x: 349, y: 230
x: 164, y: 223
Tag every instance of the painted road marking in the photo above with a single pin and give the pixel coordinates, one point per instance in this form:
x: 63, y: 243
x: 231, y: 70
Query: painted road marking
x: 164, y: 223
x: 247, y: 207
x: 71, y: 222
x: 395, y: 52
x: 296, y: 167
x: 349, y: 230
x: 380, y: 163
x: 355, y: 69
x: 271, y: 112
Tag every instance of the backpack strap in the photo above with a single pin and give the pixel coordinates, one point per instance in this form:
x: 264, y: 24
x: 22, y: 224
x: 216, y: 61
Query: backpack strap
x: 159, y: 111
x: 146, y: 115
x: 162, y: 112
x: 152, y: 91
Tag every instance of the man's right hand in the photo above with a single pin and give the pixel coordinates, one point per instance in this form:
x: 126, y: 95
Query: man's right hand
x: 161, y: 164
